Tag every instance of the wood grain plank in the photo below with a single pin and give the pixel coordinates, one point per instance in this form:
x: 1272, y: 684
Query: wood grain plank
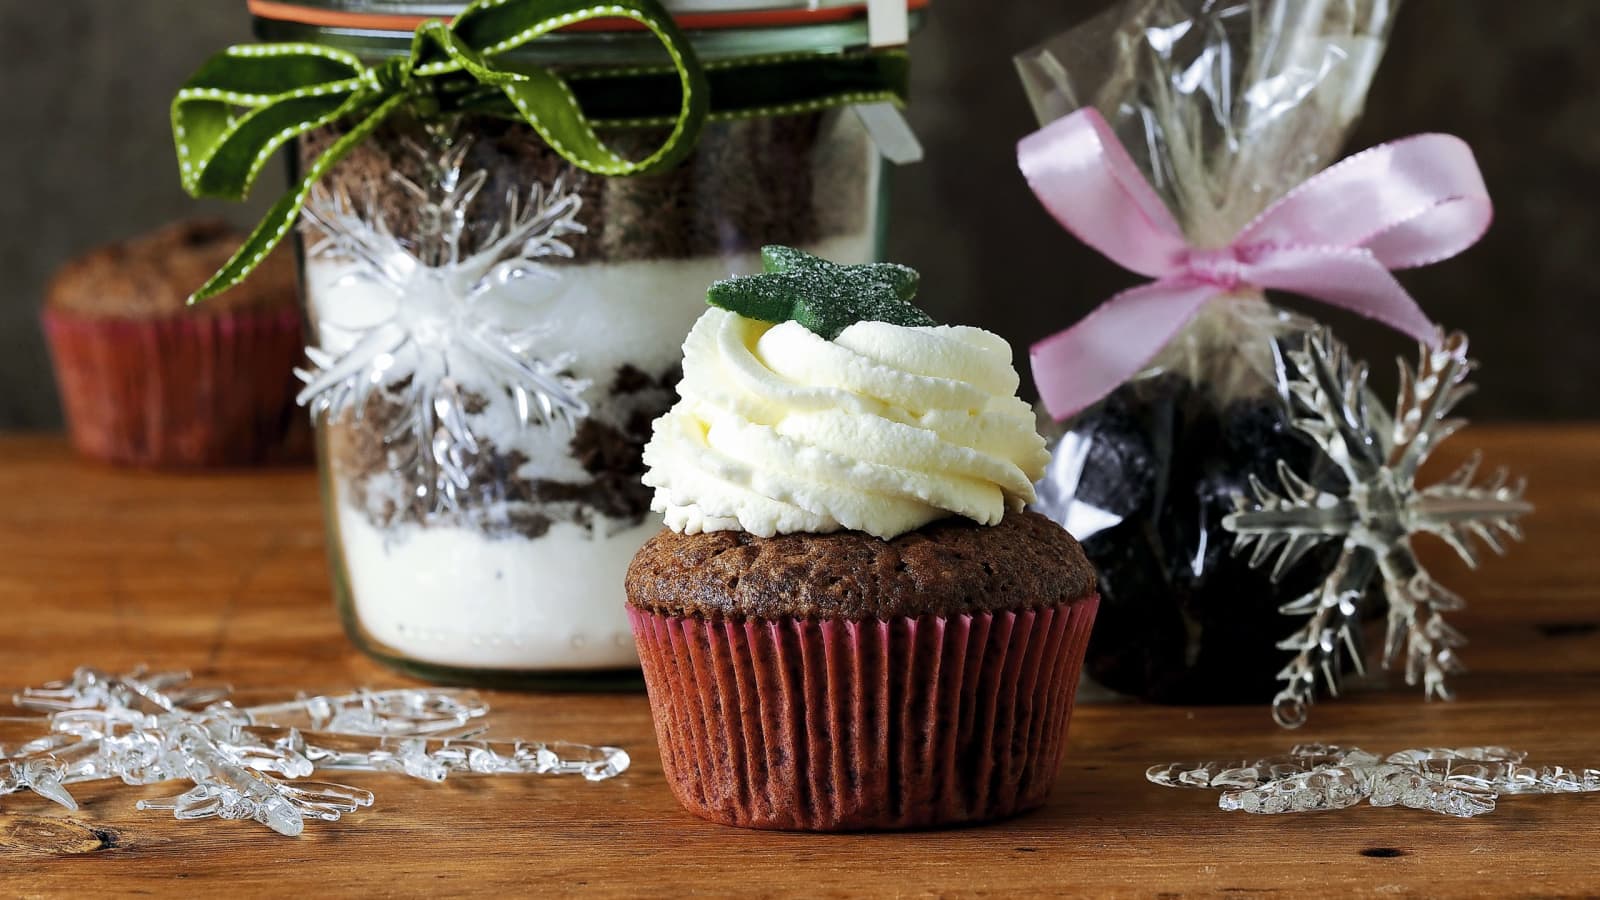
x: 224, y: 574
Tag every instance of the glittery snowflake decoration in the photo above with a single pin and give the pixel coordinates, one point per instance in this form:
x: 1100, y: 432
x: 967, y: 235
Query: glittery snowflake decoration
x: 1375, y: 517
x: 250, y: 762
x: 1464, y: 782
x: 443, y: 331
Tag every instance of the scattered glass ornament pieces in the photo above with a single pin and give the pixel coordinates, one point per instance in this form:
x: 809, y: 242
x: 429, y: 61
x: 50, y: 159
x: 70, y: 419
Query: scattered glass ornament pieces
x: 1463, y: 782
x: 823, y: 296
x: 250, y: 762
x: 1374, y: 518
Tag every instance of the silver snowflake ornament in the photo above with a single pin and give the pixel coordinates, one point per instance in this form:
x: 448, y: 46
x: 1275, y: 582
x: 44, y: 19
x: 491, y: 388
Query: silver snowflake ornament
x: 1374, y: 517
x: 445, y: 327
x: 1463, y: 782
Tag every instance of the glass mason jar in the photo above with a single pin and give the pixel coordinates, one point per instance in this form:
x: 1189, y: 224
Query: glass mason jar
x: 497, y: 329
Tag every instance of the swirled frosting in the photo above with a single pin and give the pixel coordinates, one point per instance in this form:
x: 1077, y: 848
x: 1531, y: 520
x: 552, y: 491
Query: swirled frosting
x: 883, y: 429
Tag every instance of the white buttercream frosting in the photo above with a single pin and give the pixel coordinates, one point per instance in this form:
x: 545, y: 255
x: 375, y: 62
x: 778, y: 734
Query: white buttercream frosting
x: 883, y: 429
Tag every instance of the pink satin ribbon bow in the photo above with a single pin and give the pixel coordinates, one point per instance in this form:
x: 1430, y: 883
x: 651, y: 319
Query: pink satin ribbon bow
x: 1336, y: 237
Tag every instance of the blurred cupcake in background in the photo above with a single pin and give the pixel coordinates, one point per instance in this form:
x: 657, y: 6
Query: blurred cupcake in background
x: 147, y: 380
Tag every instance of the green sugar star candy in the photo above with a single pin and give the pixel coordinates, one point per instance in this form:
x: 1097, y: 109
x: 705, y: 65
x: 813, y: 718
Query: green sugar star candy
x: 825, y: 297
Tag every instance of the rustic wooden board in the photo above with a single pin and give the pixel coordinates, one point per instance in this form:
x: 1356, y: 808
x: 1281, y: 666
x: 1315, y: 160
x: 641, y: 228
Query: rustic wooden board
x: 224, y: 574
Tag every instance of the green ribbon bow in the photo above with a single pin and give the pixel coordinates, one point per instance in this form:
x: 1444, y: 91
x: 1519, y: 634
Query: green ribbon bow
x: 248, y: 101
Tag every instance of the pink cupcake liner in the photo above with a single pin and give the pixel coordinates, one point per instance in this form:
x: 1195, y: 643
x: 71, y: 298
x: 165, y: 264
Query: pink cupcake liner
x: 838, y: 725
x: 196, y: 390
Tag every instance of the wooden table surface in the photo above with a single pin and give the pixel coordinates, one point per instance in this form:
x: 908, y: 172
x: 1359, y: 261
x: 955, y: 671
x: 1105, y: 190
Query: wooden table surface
x: 224, y: 574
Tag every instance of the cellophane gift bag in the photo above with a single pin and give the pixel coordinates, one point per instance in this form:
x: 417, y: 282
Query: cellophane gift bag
x: 1225, y: 107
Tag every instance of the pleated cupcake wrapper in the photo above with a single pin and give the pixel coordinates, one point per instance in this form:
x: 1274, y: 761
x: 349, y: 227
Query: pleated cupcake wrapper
x: 834, y: 725
x: 191, y: 390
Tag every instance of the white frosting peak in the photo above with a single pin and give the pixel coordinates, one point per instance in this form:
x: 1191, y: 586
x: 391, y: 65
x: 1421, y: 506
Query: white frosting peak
x: 882, y: 430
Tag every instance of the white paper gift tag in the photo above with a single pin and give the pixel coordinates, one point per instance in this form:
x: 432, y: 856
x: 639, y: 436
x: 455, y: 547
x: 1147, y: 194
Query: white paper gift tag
x: 887, y: 23
x: 890, y: 131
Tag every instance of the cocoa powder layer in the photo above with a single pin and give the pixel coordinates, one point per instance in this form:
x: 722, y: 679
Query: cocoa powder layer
x: 771, y: 180
x: 950, y: 567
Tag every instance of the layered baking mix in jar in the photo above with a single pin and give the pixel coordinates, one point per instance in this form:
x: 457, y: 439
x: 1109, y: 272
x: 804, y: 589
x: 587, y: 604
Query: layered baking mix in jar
x: 498, y: 319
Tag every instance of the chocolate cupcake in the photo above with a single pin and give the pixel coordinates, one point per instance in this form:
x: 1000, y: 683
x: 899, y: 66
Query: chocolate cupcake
x: 147, y: 380
x: 850, y: 623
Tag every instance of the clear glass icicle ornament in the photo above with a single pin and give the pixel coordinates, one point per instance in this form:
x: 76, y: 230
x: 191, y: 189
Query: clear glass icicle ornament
x: 1462, y: 782
x: 252, y: 762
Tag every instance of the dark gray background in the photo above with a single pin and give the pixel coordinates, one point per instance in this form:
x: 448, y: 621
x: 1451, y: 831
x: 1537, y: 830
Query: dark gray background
x: 87, y: 158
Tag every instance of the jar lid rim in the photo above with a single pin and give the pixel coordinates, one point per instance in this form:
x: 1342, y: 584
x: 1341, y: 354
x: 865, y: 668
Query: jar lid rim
x: 406, y: 15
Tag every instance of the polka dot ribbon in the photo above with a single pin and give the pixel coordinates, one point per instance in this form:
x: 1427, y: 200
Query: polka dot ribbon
x: 248, y: 101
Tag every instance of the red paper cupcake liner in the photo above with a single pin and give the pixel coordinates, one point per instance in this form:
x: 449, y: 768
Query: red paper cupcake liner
x: 203, y: 390
x: 837, y: 725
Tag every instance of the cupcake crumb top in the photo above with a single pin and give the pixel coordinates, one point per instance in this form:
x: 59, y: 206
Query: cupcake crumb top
x: 152, y: 275
x: 951, y: 567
